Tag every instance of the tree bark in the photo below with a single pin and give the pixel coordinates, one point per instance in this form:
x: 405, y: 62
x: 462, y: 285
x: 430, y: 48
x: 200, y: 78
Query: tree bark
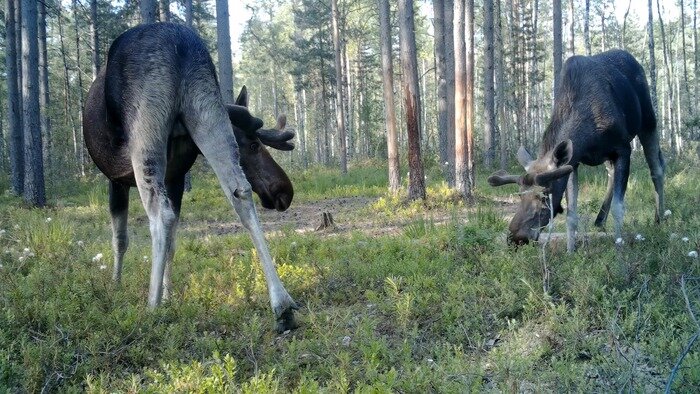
x: 94, y: 33
x: 81, y: 99
x: 586, y: 28
x: 696, y: 53
x: 572, y: 27
x: 439, y: 27
x: 34, y: 192
x: 223, y: 49
x: 44, y: 88
x: 669, y: 84
x: 339, y: 91
x: 450, y: 81
x: 14, y: 103
x: 461, y: 102
x: 148, y: 10
x: 489, y: 88
x: 469, y: 26
x: 686, y: 83
x: 188, y: 13
x: 388, y: 91
x: 501, y: 123
x: 652, y: 57
x: 164, y: 8
x: 557, y: 44
x: 409, y: 67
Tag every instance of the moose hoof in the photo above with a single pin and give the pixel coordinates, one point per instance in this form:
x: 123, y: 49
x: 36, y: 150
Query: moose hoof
x: 285, y: 319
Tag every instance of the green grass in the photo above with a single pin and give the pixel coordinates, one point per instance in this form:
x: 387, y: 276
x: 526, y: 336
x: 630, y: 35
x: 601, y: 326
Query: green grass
x: 446, y: 308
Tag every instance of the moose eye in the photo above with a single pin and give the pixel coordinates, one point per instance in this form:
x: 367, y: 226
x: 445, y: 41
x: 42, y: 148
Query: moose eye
x: 254, y: 147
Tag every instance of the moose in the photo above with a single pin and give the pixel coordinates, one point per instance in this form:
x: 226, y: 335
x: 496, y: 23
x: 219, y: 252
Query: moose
x: 152, y: 110
x: 602, y: 103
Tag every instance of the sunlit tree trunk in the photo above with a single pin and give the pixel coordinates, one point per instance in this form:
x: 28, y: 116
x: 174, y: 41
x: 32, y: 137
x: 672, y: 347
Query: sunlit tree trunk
x: 409, y: 67
x: 572, y: 28
x: 469, y: 26
x: 669, y: 84
x: 34, y: 192
x: 14, y: 103
x: 501, y: 124
x: 79, y: 74
x: 586, y: 27
x: 463, y: 102
x: 686, y: 83
x: 652, y: 56
x: 94, y: 34
x: 388, y: 91
x: 450, y: 82
x: 439, y: 23
x: 164, y: 9
x: 339, y: 91
x: 696, y: 53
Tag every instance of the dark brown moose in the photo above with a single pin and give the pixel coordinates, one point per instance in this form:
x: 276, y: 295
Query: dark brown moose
x: 151, y: 111
x: 603, y: 102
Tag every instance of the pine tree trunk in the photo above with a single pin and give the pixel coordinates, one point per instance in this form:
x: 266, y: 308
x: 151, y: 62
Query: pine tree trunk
x: 388, y: 91
x: 14, y: 103
x: 81, y: 100
x: 469, y: 27
x: 489, y: 101
x: 339, y: 91
x: 94, y: 33
x: 188, y: 13
x: 686, y: 83
x: 572, y: 28
x: 450, y: 82
x: 461, y: 169
x: 669, y: 84
x: 409, y: 67
x: 586, y: 28
x: 440, y: 65
x: 164, y: 8
x: 501, y: 124
x: 696, y: 54
x: 148, y: 10
x: 44, y: 88
x: 223, y: 49
x: 624, y: 24
x: 34, y: 192
x: 557, y: 44
x: 652, y: 58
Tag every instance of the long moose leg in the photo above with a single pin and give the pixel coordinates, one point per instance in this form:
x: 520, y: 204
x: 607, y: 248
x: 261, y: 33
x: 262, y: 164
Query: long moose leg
x: 119, y: 211
x: 174, y: 190
x: 605, y: 208
x: 622, y: 172
x: 211, y: 131
x: 571, y: 214
x: 655, y: 161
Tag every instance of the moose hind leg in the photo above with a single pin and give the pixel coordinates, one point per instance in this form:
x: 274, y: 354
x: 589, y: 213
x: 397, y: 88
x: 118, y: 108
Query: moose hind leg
x: 174, y: 190
x: 655, y: 161
x: 119, y: 211
x: 211, y: 131
x: 605, y: 208
x: 622, y: 171
x: 571, y: 214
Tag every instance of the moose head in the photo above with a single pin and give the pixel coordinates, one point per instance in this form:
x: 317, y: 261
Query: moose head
x: 544, y: 176
x: 266, y: 177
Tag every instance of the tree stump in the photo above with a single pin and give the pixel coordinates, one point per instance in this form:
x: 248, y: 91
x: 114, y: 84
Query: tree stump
x: 327, y: 222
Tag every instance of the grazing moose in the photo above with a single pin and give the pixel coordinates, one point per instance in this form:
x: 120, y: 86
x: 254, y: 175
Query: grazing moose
x: 153, y: 109
x: 603, y: 101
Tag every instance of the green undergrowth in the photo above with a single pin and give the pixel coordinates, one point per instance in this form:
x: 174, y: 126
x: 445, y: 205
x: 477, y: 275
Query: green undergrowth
x: 433, y: 307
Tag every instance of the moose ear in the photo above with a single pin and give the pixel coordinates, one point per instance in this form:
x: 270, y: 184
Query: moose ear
x: 242, y: 98
x: 524, y: 157
x: 562, y: 153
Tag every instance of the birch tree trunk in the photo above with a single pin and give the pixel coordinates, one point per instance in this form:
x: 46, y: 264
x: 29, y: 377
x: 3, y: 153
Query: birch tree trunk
x: 409, y: 67
x: 489, y: 104
x: 339, y: 91
x: 223, y: 49
x: 392, y: 142
x: 34, y: 192
x: 686, y: 83
x: 14, y: 103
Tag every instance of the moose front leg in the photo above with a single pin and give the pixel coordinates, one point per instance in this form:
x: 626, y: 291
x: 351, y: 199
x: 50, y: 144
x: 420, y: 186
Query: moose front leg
x: 211, y: 131
x: 119, y: 211
x: 605, y: 208
x: 571, y: 213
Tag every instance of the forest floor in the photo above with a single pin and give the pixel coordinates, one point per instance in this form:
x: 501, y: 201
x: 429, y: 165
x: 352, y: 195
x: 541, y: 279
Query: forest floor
x: 399, y: 297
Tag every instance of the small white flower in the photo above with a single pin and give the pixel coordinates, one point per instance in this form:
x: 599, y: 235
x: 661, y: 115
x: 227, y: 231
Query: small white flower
x: 447, y: 163
x: 685, y: 239
x: 639, y: 237
x: 667, y: 213
x: 0, y: 266
x: 693, y: 254
x: 31, y: 254
x: 103, y: 267
x: 48, y: 220
x: 674, y: 235
x: 16, y: 227
x: 145, y: 258
x: 619, y: 241
x: 2, y: 232
x: 81, y: 243
x: 7, y: 251
x: 21, y: 258
x: 97, y: 258
x: 346, y: 341
x: 26, y: 250
x: 293, y: 244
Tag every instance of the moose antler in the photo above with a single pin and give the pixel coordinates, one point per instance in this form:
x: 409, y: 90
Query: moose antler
x: 278, y: 137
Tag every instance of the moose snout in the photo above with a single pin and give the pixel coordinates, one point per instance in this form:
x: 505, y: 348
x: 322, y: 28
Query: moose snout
x: 518, y: 239
x: 283, y: 201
